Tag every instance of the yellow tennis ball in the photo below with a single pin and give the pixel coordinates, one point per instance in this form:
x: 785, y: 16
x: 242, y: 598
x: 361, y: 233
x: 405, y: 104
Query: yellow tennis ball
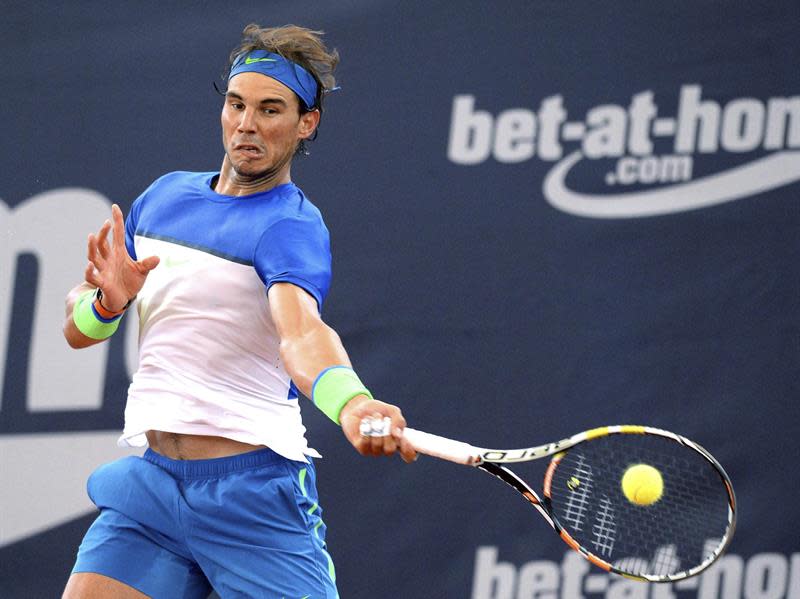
x: 642, y: 484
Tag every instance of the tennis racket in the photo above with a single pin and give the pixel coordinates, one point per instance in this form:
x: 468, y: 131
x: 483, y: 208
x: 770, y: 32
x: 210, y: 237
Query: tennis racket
x: 637, y: 501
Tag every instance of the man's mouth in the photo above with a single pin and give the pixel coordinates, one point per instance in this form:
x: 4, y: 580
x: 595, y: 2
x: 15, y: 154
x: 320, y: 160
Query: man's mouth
x: 248, y: 150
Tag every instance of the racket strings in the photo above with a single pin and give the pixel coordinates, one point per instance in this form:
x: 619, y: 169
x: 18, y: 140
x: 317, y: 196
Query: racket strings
x: 604, y: 530
x: 684, y: 528
x: 577, y: 504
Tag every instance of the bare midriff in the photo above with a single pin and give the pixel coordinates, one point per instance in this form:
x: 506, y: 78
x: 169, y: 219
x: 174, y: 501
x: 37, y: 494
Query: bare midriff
x: 180, y: 446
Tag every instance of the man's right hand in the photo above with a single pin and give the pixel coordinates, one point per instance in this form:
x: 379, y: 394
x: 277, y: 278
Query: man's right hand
x: 110, y: 266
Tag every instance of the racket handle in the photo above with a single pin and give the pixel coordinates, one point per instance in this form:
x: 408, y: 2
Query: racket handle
x: 442, y: 447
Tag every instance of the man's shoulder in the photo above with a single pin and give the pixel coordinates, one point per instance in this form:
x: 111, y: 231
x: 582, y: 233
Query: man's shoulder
x: 173, y: 185
x: 189, y: 178
x: 297, y: 205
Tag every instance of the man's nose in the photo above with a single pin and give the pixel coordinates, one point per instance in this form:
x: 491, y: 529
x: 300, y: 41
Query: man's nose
x: 247, y: 122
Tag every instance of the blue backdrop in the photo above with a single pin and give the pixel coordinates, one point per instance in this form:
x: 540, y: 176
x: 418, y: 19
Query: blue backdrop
x: 545, y: 217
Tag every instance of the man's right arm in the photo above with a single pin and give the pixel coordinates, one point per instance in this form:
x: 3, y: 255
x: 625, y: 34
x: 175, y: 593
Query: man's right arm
x: 74, y: 337
x: 111, y: 269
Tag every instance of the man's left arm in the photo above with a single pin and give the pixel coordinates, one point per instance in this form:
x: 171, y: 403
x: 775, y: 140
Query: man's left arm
x: 309, y: 347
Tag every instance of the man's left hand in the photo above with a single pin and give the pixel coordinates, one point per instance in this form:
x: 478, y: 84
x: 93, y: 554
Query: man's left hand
x: 361, y: 407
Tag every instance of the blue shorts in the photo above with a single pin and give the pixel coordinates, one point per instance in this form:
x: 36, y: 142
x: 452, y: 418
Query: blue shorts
x: 248, y: 525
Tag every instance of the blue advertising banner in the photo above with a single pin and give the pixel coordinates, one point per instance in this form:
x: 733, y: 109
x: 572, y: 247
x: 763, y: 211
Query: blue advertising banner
x: 544, y: 217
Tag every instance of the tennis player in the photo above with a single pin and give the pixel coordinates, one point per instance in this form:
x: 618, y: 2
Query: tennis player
x: 229, y: 271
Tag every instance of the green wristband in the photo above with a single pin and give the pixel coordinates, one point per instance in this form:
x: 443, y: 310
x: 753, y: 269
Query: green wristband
x: 334, y: 387
x: 89, y: 322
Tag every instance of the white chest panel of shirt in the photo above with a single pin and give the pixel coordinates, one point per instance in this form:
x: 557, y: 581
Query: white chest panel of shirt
x: 209, y: 358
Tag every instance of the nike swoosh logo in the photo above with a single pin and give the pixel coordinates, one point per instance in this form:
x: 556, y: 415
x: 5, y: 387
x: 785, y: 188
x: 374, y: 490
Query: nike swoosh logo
x: 764, y: 174
x: 172, y: 262
x: 249, y: 60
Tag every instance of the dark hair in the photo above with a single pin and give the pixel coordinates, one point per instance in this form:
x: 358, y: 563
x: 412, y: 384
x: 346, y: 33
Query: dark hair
x: 300, y: 45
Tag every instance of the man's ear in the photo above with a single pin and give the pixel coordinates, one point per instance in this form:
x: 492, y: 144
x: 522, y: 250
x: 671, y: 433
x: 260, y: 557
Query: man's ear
x: 308, y: 123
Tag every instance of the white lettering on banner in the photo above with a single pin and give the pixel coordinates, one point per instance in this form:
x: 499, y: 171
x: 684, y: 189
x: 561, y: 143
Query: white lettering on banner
x: 762, y: 576
x: 609, y: 131
x: 45, y: 478
x: 51, y: 227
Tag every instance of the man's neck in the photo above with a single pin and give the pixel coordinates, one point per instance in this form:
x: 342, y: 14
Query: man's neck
x: 231, y: 183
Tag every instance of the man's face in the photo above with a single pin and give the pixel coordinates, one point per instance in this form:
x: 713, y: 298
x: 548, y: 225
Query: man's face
x: 262, y: 125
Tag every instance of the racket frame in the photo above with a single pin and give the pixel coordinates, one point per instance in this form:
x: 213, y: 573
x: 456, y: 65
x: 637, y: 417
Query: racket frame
x: 494, y: 461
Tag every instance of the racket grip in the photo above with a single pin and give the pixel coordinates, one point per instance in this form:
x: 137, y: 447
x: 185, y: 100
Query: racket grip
x: 443, y: 448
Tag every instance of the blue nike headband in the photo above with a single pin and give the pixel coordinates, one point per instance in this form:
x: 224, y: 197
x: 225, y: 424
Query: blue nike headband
x: 291, y: 74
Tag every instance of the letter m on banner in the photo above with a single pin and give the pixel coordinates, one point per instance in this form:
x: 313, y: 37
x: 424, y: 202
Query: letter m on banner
x: 43, y: 256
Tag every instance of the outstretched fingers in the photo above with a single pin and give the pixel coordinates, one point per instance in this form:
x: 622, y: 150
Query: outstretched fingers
x: 102, y: 240
x: 92, y: 276
x: 145, y: 265
x: 109, y: 264
x: 93, y: 251
x: 119, y: 228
